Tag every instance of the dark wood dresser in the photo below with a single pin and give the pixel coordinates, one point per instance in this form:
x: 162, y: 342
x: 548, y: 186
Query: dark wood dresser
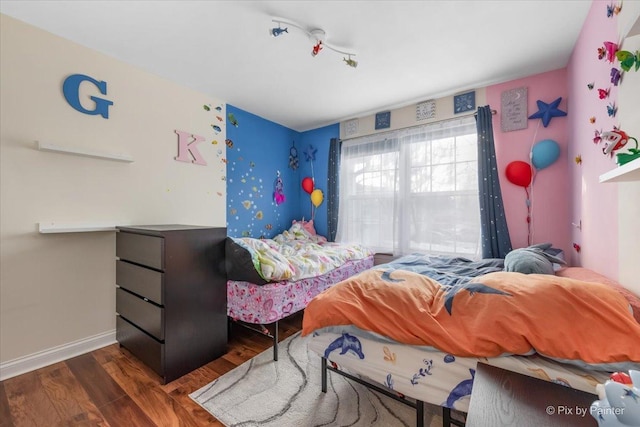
x: 171, y: 296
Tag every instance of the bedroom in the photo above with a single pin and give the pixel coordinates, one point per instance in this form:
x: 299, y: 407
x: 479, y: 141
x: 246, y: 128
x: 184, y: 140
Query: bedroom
x: 77, y: 267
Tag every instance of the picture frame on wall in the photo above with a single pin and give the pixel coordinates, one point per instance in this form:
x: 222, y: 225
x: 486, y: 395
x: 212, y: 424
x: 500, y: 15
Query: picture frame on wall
x: 383, y: 120
x: 464, y: 102
x: 513, y: 115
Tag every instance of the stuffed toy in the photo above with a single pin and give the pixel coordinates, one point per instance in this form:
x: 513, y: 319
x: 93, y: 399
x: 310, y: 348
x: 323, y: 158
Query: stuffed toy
x: 532, y: 260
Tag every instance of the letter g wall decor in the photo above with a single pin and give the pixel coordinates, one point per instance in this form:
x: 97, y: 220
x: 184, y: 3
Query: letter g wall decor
x: 71, y: 90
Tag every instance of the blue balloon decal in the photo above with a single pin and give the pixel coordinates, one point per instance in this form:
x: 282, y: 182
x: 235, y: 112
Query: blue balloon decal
x: 545, y: 153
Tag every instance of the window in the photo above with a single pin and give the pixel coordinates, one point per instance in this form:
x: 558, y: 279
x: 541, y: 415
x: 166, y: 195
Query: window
x: 412, y: 190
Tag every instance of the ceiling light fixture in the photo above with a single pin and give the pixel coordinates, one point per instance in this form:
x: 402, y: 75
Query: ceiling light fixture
x: 317, y: 36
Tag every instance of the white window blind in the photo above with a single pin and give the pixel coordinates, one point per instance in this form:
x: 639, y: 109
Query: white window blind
x: 412, y: 190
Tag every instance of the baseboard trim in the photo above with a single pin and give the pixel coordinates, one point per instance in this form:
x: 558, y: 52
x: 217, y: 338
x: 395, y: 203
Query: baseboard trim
x: 53, y: 355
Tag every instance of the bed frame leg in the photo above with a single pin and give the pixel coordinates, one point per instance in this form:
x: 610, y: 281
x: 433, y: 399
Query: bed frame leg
x: 446, y: 417
x: 324, y: 375
x: 419, y: 413
x: 275, y: 341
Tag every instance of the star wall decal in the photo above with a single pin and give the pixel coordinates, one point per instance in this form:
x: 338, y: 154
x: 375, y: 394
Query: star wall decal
x: 310, y: 153
x: 547, y: 111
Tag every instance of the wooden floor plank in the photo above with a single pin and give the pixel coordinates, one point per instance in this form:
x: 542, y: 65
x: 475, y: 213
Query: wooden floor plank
x: 148, y: 394
x: 113, y: 402
x: 5, y: 412
x: 72, y: 403
x: 125, y: 412
x: 28, y: 403
x: 95, y: 380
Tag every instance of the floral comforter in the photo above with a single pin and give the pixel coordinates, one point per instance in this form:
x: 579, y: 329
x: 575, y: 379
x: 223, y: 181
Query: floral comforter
x: 296, y: 254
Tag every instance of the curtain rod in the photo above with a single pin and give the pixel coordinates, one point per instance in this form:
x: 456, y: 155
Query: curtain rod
x: 493, y: 113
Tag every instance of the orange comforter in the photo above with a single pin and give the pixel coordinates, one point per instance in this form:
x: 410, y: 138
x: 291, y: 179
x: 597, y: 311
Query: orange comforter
x: 492, y: 315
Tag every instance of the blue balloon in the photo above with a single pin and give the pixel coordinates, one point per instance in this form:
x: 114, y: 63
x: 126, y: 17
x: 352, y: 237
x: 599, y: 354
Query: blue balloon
x: 545, y: 153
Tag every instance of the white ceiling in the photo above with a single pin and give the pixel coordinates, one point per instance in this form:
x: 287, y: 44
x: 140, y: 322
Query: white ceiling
x: 408, y: 51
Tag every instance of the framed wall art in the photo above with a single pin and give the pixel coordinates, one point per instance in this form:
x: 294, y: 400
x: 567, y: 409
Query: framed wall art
x: 464, y: 102
x: 383, y: 120
x: 513, y: 115
x: 426, y: 110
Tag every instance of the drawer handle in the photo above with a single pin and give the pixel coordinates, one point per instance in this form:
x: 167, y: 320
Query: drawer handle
x: 146, y: 299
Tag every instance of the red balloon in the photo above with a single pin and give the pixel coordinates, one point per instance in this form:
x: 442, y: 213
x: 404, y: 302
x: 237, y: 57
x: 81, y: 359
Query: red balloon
x: 519, y: 173
x: 307, y: 185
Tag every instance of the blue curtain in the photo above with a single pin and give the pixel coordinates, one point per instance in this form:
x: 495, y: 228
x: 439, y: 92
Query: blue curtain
x: 333, y: 191
x: 496, y: 242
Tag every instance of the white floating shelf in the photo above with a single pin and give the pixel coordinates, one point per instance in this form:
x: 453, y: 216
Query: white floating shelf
x: 59, y: 227
x: 43, y: 146
x: 627, y: 172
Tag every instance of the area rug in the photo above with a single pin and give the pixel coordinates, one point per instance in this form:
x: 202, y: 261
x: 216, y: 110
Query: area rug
x: 263, y: 392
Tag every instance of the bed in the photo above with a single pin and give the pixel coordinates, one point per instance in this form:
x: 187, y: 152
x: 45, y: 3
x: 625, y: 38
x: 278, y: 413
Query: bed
x: 416, y: 328
x: 270, y: 279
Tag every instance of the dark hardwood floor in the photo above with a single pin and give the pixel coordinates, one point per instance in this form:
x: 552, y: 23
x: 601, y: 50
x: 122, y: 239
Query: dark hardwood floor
x: 110, y: 387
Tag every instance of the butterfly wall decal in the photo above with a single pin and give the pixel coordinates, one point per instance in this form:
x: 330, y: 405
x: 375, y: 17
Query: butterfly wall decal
x: 628, y: 59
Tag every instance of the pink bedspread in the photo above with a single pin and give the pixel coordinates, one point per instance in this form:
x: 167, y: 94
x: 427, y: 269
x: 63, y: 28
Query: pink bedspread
x: 264, y: 304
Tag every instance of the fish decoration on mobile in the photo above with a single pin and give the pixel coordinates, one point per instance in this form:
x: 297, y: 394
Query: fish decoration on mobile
x: 316, y: 48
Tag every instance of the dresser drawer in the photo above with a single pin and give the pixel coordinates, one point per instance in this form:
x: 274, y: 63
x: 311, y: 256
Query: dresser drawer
x: 141, y: 249
x: 142, y: 345
x: 142, y: 281
x: 141, y: 313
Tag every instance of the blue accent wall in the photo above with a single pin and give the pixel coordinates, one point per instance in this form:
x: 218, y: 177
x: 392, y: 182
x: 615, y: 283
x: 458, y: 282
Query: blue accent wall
x: 320, y: 140
x: 256, y: 150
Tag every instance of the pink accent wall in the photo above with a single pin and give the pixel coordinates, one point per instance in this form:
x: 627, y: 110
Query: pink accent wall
x: 594, y: 203
x: 550, y: 198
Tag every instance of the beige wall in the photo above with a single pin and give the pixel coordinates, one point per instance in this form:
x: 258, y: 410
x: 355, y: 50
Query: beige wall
x: 59, y: 288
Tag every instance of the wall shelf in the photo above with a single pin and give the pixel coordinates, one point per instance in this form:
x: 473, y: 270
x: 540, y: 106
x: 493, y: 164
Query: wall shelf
x: 624, y: 173
x: 60, y: 227
x: 43, y: 146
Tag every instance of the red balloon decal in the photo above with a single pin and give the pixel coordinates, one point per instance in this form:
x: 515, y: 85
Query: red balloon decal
x: 307, y: 185
x: 519, y: 173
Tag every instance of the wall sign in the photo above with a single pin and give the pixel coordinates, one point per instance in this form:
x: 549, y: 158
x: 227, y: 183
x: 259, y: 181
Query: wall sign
x: 71, y: 91
x: 426, y: 110
x: 351, y: 127
x: 383, y: 120
x: 514, y: 109
x: 464, y: 102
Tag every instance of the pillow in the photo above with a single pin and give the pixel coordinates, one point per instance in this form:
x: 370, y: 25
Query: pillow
x: 307, y: 225
x: 586, y: 275
x: 531, y: 260
x: 239, y: 263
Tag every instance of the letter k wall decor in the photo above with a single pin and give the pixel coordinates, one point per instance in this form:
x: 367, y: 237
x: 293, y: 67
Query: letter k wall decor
x: 188, y: 148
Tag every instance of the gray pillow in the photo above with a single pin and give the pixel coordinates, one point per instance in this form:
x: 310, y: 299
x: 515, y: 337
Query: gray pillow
x: 531, y: 260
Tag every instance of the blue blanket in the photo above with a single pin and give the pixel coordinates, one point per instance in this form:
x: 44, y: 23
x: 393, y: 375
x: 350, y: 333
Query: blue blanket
x: 448, y: 271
